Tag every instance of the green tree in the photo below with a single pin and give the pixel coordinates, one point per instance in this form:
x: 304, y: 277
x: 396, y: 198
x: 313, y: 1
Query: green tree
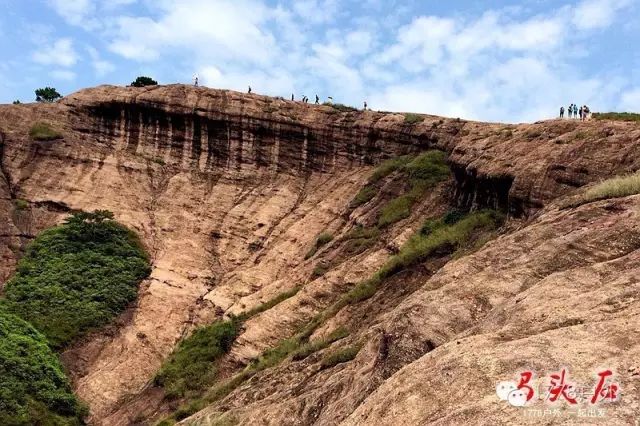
x: 17, y: 102
x: 144, y: 81
x: 47, y: 94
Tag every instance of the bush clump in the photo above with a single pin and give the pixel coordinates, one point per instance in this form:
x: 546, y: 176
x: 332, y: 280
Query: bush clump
x: 340, y: 107
x: 33, y: 387
x: 411, y: 118
x: 44, y: 132
x: 191, y: 366
x: 311, y: 347
x: 21, y: 204
x: 322, y: 240
x: 423, y: 171
x: 143, y: 81
x: 77, y: 277
x: 338, y: 357
x: 365, y: 195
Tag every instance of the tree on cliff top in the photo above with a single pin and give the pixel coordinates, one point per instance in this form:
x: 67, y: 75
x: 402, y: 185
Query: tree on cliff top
x: 144, y: 81
x: 47, y: 94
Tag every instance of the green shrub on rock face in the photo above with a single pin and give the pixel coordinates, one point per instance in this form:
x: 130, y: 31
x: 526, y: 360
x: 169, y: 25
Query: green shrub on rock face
x: 33, y: 387
x: 77, y: 276
x: 44, y: 132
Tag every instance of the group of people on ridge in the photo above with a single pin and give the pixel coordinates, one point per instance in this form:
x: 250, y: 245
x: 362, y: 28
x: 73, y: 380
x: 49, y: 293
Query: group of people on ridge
x: 573, y: 112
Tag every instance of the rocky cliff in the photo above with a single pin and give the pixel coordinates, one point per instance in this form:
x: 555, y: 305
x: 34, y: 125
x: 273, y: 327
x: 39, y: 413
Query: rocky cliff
x: 228, y: 192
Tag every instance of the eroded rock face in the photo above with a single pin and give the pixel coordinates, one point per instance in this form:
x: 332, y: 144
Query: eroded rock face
x: 228, y: 192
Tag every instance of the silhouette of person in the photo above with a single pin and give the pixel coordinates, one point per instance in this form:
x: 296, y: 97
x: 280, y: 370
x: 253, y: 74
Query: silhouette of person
x: 561, y: 112
x: 292, y: 97
x: 365, y: 105
x: 195, y: 80
x: 317, y: 100
x: 249, y: 89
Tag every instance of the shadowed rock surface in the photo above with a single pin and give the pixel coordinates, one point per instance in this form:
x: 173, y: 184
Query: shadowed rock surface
x: 228, y: 191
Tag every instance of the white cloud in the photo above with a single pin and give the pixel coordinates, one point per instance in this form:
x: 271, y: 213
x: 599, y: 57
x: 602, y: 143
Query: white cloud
x: 65, y: 75
x: 501, y: 64
x: 594, y: 14
x: 60, y: 53
x: 200, y: 29
x: 100, y: 66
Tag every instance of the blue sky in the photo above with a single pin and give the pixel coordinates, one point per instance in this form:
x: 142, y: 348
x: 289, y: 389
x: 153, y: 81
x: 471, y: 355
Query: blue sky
x: 493, y: 60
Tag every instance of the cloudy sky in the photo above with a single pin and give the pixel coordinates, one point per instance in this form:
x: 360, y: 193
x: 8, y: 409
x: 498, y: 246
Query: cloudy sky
x: 493, y: 60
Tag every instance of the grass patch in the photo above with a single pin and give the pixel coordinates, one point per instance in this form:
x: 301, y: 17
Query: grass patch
x: 395, y: 210
x: 423, y: 172
x: 360, y: 239
x: 411, y: 118
x: 322, y: 240
x: 620, y: 186
x: 268, y: 304
x: 365, y: 195
x: 340, y: 107
x: 191, y: 366
x: 311, y: 347
x: 319, y: 270
x: 341, y: 356
x: 77, y: 277
x: 44, y: 132
x: 389, y: 166
x: 617, y: 116
x: 455, y: 229
x: 21, y: 204
x: 33, y: 387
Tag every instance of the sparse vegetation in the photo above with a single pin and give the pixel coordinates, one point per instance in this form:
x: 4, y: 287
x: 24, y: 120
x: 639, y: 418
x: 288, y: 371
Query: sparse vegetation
x: 340, y: 356
x: 340, y: 107
x: 77, y: 276
x: 311, y: 347
x: 319, y: 270
x: 322, y: 240
x: 33, y: 387
x: 192, y: 365
x: 269, y: 304
x: 47, y: 94
x: 411, y: 118
x: 618, y: 116
x: 360, y: 239
x: 423, y: 172
x: 21, y: 204
x: 389, y: 166
x: 620, y: 186
x: 365, y: 195
x: 143, y: 81
x: 44, y: 132
x: 17, y: 102
x: 396, y: 210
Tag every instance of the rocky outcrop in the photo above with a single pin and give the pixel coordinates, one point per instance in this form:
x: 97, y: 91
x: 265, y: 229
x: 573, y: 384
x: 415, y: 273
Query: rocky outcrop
x: 228, y: 192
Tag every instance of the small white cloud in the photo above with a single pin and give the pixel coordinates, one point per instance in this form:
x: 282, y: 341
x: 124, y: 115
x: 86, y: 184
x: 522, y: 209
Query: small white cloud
x: 65, y: 75
x: 100, y: 66
x: 595, y: 14
x: 61, y: 53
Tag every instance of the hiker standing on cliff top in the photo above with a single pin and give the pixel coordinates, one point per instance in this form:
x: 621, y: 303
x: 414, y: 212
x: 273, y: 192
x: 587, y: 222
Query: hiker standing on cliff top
x: 575, y: 111
x: 570, y: 111
x: 195, y: 80
x: 317, y: 100
x: 365, y: 105
x: 249, y: 89
x: 562, y: 112
x: 293, y: 98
